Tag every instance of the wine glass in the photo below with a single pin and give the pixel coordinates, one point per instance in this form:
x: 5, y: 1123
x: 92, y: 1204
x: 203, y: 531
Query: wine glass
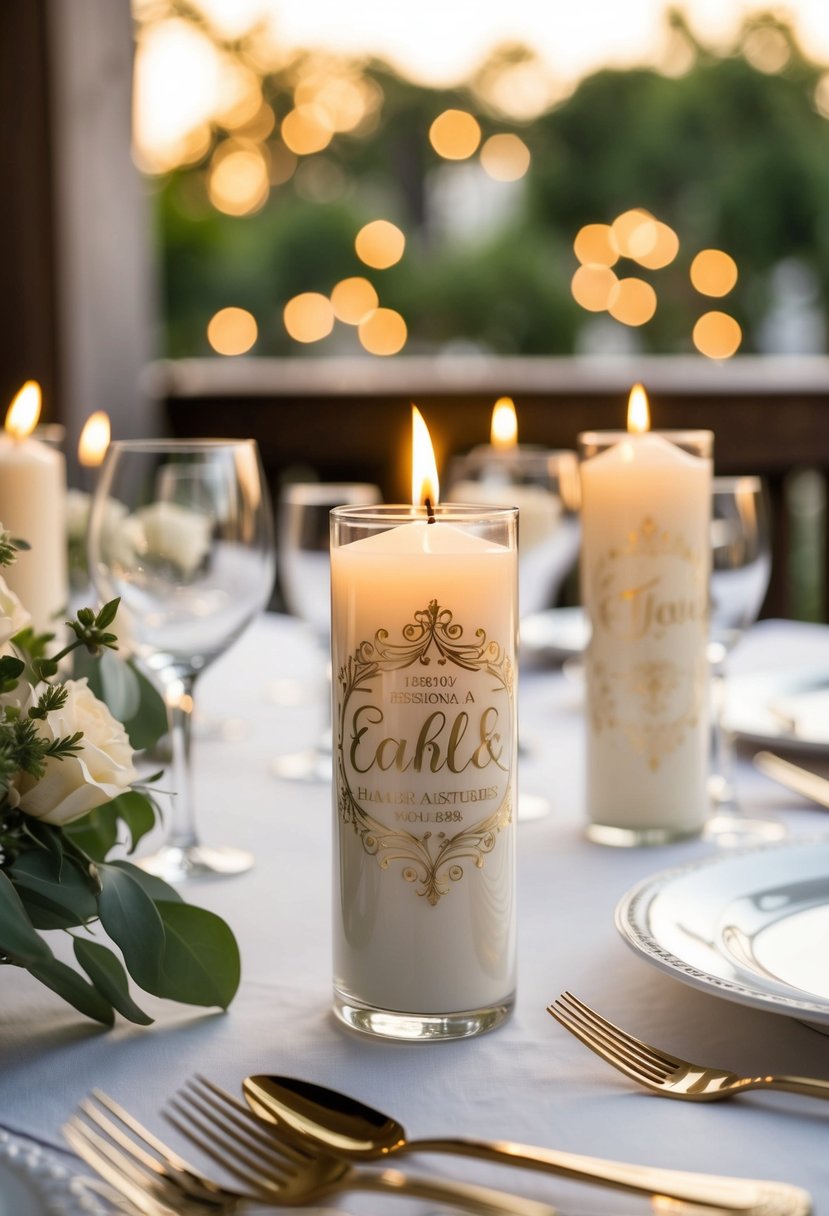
x: 544, y: 485
x: 182, y: 531
x: 740, y: 571
x: 303, y: 523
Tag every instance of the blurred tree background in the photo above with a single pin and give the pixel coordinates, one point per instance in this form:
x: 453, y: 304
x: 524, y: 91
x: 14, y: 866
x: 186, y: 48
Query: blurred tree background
x: 514, y: 223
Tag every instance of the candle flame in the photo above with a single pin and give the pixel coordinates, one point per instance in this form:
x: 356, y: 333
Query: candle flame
x: 424, y: 470
x: 94, y: 440
x: 24, y: 411
x: 639, y: 417
x: 504, y: 429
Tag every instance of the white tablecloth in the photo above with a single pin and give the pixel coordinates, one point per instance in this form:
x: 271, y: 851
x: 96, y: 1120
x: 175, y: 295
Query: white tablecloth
x: 529, y: 1080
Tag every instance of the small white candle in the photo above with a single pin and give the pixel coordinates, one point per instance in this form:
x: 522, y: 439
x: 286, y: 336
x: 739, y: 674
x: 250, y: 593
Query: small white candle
x: 33, y: 508
x: 646, y: 506
x: 423, y: 637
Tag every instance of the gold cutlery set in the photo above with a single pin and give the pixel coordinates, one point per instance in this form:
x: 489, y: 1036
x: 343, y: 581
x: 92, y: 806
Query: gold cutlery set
x: 294, y: 1142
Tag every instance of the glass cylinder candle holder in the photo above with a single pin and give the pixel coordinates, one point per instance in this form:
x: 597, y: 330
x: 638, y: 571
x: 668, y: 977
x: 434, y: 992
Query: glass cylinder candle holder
x: 423, y: 633
x: 645, y: 567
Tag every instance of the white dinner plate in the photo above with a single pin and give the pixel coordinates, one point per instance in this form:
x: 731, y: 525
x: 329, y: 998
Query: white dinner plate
x: 781, y: 709
x: 36, y: 1182
x: 751, y: 927
x: 554, y: 635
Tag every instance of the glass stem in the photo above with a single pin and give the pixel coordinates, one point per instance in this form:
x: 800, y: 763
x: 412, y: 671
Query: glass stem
x: 179, y: 698
x: 722, y: 788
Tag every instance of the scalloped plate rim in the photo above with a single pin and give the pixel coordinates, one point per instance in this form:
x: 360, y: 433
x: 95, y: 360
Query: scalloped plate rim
x: 636, y: 934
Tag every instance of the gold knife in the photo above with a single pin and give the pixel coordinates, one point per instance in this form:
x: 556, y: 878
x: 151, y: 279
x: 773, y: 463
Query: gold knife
x: 801, y: 780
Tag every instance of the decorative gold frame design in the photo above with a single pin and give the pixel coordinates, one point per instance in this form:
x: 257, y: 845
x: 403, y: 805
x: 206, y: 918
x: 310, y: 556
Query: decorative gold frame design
x: 434, y: 858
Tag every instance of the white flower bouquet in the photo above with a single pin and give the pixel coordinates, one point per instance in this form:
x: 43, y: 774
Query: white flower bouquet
x: 69, y: 797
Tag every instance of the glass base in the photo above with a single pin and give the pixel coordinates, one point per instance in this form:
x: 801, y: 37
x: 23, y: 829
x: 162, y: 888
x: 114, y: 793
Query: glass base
x: 176, y: 864
x: 736, y: 831
x: 630, y: 838
x: 419, y: 1027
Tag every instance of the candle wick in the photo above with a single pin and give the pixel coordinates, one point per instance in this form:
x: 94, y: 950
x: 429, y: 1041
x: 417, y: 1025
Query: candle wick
x: 430, y: 511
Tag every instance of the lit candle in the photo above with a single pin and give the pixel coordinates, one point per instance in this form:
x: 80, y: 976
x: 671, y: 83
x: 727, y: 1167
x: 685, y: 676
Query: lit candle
x: 423, y: 645
x: 33, y: 508
x: 543, y: 484
x: 646, y: 506
x: 94, y: 441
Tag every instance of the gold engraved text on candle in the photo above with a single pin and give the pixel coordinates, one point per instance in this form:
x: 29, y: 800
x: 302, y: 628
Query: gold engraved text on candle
x: 458, y: 724
x: 666, y: 696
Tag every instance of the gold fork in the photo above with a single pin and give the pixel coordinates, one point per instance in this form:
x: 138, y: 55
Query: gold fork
x: 659, y: 1071
x: 230, y: 1134
x: 158, y: 1181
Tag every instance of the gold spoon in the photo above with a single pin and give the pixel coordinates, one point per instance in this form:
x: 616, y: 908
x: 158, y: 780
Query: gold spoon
x: 352, y: 1131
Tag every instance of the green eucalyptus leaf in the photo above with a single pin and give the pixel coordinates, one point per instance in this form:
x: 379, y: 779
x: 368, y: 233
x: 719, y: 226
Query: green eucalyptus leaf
x: 95, y: 832
x: 156, y: 888
x: 119, y: 686
x: 47, y: 836
x: 74, y: 989
x: 201, y: 964
x: 137, y: 812
x: 44, y: 913
x: 109, y: 977
x: 132, y: 921
x: 64, y: 884
x: 18, y: 937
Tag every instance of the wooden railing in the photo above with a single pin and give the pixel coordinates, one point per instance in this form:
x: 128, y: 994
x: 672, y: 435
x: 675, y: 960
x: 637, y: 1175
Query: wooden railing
x: 350, y: 418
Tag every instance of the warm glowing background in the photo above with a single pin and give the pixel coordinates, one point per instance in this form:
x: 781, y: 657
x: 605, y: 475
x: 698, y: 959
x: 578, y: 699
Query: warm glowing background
x: 381, y: 178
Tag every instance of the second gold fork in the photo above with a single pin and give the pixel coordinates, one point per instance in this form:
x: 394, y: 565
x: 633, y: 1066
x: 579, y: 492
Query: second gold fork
x: 659, y: 1071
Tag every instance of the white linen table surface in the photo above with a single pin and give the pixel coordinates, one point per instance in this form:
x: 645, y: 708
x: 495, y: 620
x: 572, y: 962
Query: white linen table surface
x: 529, y: 1080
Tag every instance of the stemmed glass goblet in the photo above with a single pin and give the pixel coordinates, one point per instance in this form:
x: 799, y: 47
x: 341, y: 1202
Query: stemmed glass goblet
x: 303, y: 524
x: 740, y: 571
x: 182, y: 531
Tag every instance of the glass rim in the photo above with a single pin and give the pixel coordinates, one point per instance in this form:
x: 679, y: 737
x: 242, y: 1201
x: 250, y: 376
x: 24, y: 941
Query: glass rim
x: 177, y: 445
x: 522, y: 451
x: 724, y: 482
x: 317, y: 493
x: 409, y: 513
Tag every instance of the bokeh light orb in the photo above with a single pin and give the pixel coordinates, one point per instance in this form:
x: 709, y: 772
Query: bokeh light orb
x: 717, y: 335
x: 455, y: 134
x: 232, y: 331
x: 380, y: 244
x: 383, y: 332
x: 309, y: 317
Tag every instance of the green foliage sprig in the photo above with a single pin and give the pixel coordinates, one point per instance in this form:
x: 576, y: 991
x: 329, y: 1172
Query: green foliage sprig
x: 56, y: 872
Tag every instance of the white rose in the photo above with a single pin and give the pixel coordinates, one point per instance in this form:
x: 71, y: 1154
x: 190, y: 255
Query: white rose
x: 13, y: 616
x: 173, y: 533
x: 101, y: 770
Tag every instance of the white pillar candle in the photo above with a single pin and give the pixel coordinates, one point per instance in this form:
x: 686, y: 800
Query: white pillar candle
x: 33, y: 508
x: 646, y: 506
x: 423, y: 642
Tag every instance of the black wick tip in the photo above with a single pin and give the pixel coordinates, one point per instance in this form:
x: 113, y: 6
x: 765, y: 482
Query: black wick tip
x: 430, y: 511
